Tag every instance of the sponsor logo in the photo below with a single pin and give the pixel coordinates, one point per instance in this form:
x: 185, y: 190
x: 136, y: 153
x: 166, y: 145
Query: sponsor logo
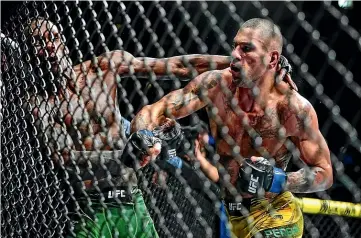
x: 277, y: 216
x: 282, y: 232
x: 253, y: 184
x: 116, y: 193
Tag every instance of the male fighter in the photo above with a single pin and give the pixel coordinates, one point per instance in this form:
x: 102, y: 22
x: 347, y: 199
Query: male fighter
x: 258, y: 126
x: 78, y: 121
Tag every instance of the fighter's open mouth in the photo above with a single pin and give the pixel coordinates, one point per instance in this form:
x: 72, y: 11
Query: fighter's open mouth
x: 53, y: 59
x: 235, y: 69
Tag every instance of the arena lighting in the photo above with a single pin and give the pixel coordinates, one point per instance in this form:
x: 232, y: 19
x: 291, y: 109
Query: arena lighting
x: 346, y: 4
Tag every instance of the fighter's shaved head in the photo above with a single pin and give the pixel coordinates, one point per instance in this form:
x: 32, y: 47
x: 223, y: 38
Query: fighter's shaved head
x: 269, y: 31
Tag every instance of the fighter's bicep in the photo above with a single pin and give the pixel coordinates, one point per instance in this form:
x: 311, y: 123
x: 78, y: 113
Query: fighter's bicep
x: 314, y: 151
x: 310, y: 141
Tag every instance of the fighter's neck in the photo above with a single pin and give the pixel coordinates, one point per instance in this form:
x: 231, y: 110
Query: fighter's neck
x: 263, y: 89
x: 257, y: 97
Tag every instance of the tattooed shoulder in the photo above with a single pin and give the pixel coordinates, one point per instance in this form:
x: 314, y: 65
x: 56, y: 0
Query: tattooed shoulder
x: 212, y: 79
x: 296, y: 114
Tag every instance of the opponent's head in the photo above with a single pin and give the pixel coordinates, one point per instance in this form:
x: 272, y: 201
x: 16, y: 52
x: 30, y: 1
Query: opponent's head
x: 46, y: 48
x: 257, y: 48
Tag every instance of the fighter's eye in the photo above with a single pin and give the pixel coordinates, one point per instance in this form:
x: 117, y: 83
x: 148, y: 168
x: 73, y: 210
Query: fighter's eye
x: 246, y: 48
x: 51, y: 36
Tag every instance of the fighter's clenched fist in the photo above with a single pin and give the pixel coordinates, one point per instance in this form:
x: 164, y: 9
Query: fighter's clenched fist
x: 141, y: 148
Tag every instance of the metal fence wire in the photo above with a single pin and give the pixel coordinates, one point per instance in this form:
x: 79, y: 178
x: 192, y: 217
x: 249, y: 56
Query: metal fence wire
x: 43, y: 198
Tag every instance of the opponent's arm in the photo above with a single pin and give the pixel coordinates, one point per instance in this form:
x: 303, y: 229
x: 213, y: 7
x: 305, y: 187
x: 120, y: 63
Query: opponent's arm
x: 177, y: 104
x: 126, y: 64
x: 182, y: 66
x: 317, y: 175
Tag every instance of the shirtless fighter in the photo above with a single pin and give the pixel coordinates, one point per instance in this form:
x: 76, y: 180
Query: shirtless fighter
x: 255, y: 121
x: 78, y: 122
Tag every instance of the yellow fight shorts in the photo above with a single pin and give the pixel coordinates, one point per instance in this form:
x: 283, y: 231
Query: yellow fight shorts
x: 279, y: 217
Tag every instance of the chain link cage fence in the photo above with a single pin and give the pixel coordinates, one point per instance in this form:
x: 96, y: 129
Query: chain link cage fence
x: 39, y: 198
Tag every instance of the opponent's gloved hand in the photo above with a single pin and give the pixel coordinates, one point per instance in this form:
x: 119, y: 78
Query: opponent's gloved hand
x: 285, y: 64
x: 258, y: 174
x: 284, y: 70
x: 141, y: 147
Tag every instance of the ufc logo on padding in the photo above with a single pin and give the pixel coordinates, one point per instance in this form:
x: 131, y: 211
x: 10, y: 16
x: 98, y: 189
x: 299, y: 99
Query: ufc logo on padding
x: 112, y: 194
x: 172, y: 153
x: 235, y: 206
x: 253, y: 184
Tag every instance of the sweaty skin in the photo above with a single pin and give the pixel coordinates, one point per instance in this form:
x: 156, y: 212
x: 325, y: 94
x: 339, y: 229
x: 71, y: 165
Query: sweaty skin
x: 84, y: 114
x: 251, y: 121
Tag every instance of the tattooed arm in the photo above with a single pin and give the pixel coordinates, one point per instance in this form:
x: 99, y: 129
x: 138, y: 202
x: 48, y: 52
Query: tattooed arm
x: 177, y: 104
x: 314, y: 152
x: 180, y: 66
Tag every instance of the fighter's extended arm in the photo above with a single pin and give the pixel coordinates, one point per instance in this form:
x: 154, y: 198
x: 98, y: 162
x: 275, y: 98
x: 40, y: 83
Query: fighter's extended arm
x: 317, y: 174
x: 180, y: 66
x: 177, y: 104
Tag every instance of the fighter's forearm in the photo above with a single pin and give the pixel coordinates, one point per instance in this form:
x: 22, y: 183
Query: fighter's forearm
x: 308, y: 180
x: 181, y: 66
x: 146, y: 119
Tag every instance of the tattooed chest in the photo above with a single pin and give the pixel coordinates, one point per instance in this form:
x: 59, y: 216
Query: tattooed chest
x: 256, y: 134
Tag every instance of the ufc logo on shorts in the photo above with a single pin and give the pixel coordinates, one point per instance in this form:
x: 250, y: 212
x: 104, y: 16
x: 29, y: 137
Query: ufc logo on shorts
x: 172, y: 153
x: 116, y: 193
x: 235, y: 206
x: 253, y: 184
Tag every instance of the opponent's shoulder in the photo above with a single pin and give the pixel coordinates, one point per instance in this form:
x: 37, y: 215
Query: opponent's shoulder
x: 296, y: 113
x: 106, y: 60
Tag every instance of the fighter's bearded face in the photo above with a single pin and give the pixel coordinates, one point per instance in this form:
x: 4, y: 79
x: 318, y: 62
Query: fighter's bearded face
x: 251, y: 57
x: 49, y: 47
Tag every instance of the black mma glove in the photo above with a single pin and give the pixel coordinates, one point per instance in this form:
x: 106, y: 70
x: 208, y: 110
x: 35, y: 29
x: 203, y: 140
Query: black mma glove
x: 172, y: 137
x: 179, y: 141
x: 283, y: 62
x: 136, y: 148
x: 259, y: 174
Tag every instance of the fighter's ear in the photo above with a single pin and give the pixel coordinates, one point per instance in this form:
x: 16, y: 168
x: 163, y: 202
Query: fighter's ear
x: 275, y: 56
